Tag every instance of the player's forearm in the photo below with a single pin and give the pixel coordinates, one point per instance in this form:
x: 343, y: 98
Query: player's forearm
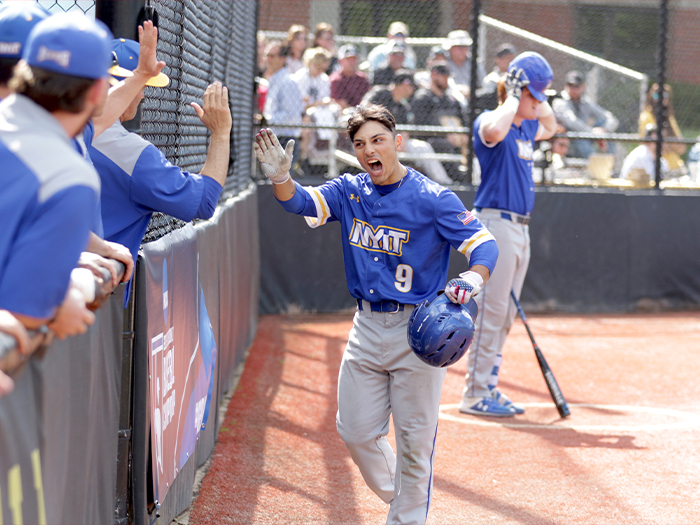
x: 548, y: 122
x: 218, y: 154
x: 483, y: 271
x: 285, y: 191
x: 118, y: 100
x: 496, y: 125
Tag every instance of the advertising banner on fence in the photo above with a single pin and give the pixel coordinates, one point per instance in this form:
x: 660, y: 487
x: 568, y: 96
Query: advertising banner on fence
x: 182, y: 356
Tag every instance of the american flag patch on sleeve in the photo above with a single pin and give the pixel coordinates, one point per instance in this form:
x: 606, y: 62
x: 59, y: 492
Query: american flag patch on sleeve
x: 465, y: 217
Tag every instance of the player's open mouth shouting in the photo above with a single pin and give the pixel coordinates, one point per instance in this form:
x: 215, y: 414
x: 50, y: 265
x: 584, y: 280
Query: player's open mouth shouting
x: 376, y: 148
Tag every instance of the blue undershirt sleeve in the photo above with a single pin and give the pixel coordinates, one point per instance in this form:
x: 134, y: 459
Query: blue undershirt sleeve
x: 210, y: 197
x: 301, y: 203
x: 485, y: 254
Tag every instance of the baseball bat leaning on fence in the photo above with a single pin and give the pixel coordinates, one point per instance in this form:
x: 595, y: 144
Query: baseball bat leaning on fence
x: 96, y: 291
x: 552, y: 385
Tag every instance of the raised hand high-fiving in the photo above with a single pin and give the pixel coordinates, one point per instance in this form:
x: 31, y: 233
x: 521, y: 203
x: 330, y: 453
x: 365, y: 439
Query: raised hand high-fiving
x: 275, y: 161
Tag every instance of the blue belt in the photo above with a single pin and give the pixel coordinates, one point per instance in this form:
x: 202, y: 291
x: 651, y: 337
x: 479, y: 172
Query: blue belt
x: 388, y: 307
x: 513, y: 217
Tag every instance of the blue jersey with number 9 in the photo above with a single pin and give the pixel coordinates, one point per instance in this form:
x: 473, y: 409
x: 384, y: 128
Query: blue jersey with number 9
x: 397, y: 246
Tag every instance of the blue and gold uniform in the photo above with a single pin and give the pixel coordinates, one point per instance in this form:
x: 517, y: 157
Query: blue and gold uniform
x: 396, y: 246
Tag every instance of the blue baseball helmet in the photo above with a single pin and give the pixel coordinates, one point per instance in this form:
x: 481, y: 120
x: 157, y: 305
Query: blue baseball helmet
x: 440, y: 332
x: 538, y: 72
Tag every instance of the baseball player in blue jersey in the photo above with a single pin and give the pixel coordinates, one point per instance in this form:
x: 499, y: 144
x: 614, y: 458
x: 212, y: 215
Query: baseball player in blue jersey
x: 137, y: 179
x: 397, y: 229
x: 504, y: 141
x: 49, y: 192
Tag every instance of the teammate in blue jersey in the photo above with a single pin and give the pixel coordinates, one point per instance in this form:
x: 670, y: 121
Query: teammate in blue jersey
x: 49, y: 192
x: 16, y: 21
x: 504, y: 140
x: 138, y: 180
x: 397, y: 230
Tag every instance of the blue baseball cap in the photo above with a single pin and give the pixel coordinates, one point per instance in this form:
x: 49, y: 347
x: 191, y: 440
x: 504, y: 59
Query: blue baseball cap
x: 16, y: 21
x: 70, y: 44
x: 127, y: 52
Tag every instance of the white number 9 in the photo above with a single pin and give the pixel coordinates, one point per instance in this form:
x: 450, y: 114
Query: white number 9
x: 404, y: 278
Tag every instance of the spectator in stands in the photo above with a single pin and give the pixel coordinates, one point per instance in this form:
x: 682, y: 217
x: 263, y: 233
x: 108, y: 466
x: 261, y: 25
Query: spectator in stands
x: 283, y: 102
x: 437, y: 54
x: 437, y: 107
x: 639, y: 165
x: 398, y: 32
x: 315, y: 88
x: 294, y: 47
x: 549, y: 160
x: 504, y: 55
x: 9, y: 325
x: 50, y: 194
x: 325, y: 38
x: 137, y: 179
x: 458, y: 44
x: 672, y: 151
x: 395, y: 98
x: 314, y: 84
x: 384, y: 75
x: 577, y: 112
x: 16, y: 21
x: 348, y: 85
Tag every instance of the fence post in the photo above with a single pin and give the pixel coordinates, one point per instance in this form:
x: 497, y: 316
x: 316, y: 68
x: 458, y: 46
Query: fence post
x: 332, y: 163
x: 476, y: 9
x: 660, y: 107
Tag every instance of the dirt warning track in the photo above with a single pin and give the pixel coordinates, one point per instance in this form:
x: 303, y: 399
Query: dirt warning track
x: 628, y: 454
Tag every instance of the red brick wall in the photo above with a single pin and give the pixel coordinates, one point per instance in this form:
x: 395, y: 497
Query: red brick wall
x: 278, y: 15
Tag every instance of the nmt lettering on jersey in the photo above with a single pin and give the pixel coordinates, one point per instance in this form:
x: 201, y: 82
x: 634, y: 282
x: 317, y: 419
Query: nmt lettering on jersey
x: 382, y: 239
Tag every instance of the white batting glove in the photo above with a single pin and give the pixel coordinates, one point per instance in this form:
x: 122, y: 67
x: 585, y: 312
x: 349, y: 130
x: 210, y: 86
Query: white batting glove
x: 459, y: 291
x: 516, y: 80
x: 275, y: 161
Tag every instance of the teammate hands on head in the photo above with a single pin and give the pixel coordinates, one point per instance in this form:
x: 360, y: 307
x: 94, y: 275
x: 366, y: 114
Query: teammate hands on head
x: 275, y: 161
x: 459, y: 291
x: 516, y: 80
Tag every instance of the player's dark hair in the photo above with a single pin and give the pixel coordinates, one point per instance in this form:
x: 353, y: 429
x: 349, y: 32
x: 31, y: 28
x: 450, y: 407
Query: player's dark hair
x: 52, y: 91
x: 366, y: 112
x: 7, y: 65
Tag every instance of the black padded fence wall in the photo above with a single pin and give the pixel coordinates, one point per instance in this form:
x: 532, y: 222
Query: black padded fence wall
x: 593, y: 250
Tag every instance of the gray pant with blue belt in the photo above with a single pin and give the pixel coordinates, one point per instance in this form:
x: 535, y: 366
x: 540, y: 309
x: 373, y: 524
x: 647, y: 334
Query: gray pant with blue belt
x: 380, y: 376
x: 496, y: 308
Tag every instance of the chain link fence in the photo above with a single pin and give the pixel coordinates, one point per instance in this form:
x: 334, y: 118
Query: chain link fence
x: 201, y: 42
x: 606, y: 58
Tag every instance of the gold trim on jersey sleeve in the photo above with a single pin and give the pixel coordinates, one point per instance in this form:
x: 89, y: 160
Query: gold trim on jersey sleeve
x: 479, y: 238
x: 322, y: 209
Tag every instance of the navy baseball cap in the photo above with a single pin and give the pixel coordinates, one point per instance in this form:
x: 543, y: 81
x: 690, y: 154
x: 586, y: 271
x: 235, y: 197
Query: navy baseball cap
x: 70, y: 44
x: 16, y: 21
x: 127, y: 52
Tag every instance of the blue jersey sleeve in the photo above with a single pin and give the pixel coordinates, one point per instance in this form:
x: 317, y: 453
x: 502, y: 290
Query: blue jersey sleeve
x: 464, y: 231
x: 36, y: 276
x: 210, y: 197
x: 159, y: 186
x: 320, y: 204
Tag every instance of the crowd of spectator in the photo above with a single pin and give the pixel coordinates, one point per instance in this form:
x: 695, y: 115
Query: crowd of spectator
x: 438, y: 94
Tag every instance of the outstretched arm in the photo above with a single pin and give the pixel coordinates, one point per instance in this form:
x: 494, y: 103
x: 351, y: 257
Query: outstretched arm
x: 215, y: 114
x: 276, y: 162
x: 121, y: 95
